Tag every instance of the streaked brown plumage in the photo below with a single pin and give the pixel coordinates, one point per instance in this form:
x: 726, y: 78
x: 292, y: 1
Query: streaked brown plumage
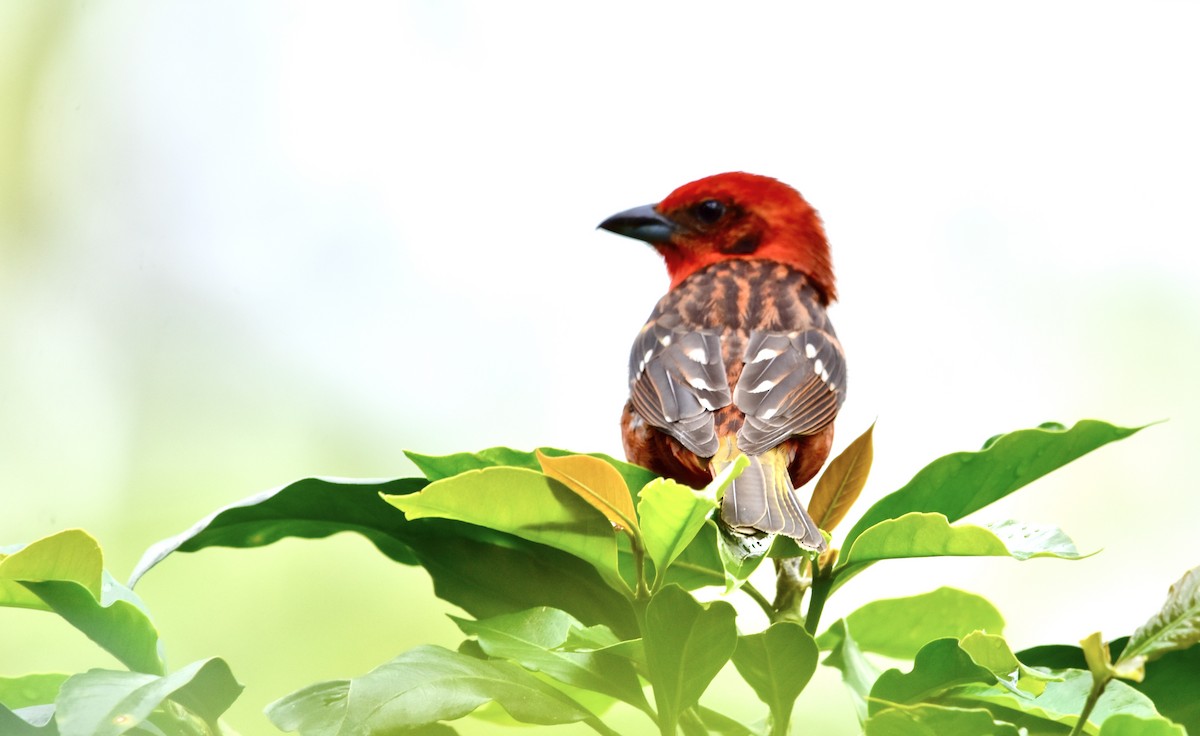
x: 739, y: 355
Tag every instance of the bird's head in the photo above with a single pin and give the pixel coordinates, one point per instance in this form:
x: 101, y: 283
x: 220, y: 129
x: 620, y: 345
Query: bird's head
x: 728, y: 216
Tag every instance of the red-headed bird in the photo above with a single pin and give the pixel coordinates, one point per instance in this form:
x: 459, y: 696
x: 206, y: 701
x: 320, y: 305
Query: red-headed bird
x: 739, y: 356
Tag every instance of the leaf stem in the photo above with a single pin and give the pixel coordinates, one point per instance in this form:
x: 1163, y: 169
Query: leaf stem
x: 821, y: 586
x: 639, y: 564
x: 1098, y: 685
x: 760, y: 599
x: 599, y: 727
x: 790, y: 588
x: 691, y: 723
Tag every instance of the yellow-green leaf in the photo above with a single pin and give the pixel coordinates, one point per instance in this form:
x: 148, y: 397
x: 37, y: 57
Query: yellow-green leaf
x: 842, y: 481
x: 71, y: 555
x: 993, y: 653
x: 524, y: 503
x: 596, y: 482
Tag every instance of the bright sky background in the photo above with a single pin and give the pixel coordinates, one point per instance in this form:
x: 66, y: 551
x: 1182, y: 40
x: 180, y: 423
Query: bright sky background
x: 243, y: 243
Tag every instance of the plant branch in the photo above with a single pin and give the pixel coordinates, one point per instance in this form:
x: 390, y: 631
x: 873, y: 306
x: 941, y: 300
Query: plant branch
x: 691, y: 723
x: 822, y: 584
x: 760, y: 599
x: 1098, y: 685
x: 790, y: 588
x: 639, y: 564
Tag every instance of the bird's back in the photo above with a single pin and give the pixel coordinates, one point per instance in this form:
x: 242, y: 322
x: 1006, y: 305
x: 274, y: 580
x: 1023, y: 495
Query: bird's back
x: 730, y: 301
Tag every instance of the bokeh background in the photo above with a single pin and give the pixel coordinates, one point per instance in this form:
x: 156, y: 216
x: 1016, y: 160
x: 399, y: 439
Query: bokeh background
x: 244, y: 243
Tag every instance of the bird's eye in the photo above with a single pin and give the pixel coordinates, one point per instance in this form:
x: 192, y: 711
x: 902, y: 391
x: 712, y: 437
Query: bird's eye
x: 708, y: 211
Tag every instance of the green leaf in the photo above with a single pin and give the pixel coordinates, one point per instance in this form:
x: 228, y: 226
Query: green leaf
x: 596, y: 482
x: 433, y: 729
x: 993, y: 654
x: 936, y: 720
x: 633, y: 650
x: 71, y: 555
x: 899, y: 627
x: 963, y: 482
x: 1171, y: 681
x: 859, y: 674
x: 109, y: 702
x: 484, y: 572
x: 930, y: 535
x: 686, y: 645
x: 590, y: 639
x: 537, y: 640
x: 1061, y: 701
x: 445, y: 466
x: 63, y: 573
x: 672, y: 515
x: 29, y: 721
x: 1176, y: 626
x: 1053, y: 656
x: 777, y: 664
x: 1124, y: 724
x: 699, y: 564
x: 490, y: 580
x: 940, y: 666
x: 117, y: 622
x: 721, y: 724
x: 842, y: 482
x: 420, y: 687
x: 22, y: 692
x: 311, y: 508
x: 524, y: 503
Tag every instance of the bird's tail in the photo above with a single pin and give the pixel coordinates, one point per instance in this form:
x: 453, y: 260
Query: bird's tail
x: 762, y: 498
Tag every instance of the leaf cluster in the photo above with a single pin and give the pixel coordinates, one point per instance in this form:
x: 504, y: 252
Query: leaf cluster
x: 589, y: 585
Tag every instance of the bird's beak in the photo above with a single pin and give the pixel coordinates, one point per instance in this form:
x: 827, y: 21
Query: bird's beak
x: 643, y: 223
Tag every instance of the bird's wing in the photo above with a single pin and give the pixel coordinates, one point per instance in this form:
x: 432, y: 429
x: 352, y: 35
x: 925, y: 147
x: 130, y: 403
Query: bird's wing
x: 677, y: 380
x: 792, y: 384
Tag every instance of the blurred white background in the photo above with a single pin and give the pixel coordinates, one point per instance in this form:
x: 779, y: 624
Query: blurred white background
x: 243, y: 243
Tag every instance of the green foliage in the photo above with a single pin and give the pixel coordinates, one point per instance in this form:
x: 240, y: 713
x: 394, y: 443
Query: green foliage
x: 673, y: 515
x: 577, y: 572
x: 1174, y: 628
x: 111, y: 702
x: 963, y: 482
x: 1127, y: 724
x: 524, y: 503
x: 64, y: 574
x: 899, y: 627
x: 936, y: 720
x: 421, y: 687
x: 917, y: 534
x: 686, y: 645
x: 777, y: 663
x: 555, y: 643
x: 1170, y: 683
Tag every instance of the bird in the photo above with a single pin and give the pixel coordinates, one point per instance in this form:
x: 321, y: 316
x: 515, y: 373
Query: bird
x: 739, y: 356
